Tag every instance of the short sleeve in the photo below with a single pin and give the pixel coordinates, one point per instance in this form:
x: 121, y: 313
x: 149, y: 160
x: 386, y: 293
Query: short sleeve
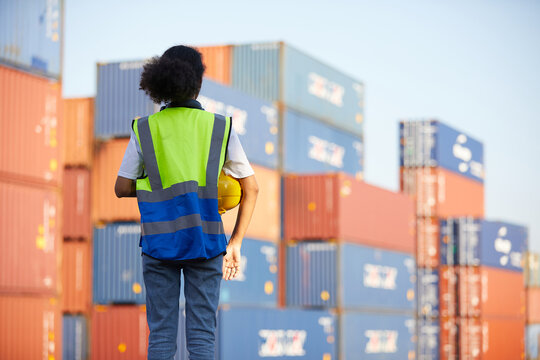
x: 236, y: 163
x: 132, y: 164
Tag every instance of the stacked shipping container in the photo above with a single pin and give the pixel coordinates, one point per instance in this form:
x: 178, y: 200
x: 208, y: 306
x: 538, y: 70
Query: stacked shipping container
x: 532, y: 284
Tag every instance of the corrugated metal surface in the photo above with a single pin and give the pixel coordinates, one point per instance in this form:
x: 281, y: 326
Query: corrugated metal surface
x: 266, y: 221
x: 376, y: 336
x: 472, y: 291
x: 33, y: 131
x: 117, y: 265
x: 470, y: 339
x: 428, y: 339
x: 432, y: 143
x: 255, y: 121
x: 31, y: 35
x: 532, y: 339
x: 119, y: 333
x: 448, y: 242
x: 76, y: 191
x: 448, y: 339
x: 75, y: 338
x: 76, y: 276
x: 29, y: 239
x: 285, y: 334
x: 327, y: 207
x: 78, y: 131
x: 31, y: 328
x: 256, y: 285
x: 448, y: 291
x: 106, y: 207
x: 427, y: 242
x: 442, y: 193
x: 532, y: 269
x: 278, y: 72
x: 217, y: 60
x: 313, y: 147
x: 503, y: 339
x: 533, y: 305
x: 428, y: 292
x: 317, y: 275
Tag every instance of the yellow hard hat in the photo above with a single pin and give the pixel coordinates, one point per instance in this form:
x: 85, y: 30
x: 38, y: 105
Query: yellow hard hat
x: 229, y: 193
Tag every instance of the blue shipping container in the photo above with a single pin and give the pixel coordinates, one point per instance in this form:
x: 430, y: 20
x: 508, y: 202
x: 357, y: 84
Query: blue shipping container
x: 531, y: 341
x: 117, y: 265
x: 31, y: 35
x: 326, y: 274
x: 74, y: 338
x: 428, y: 339
x: 448, y: 246
x: 376, y: 336
x: 279, y: 72
x: 313, y: 147
x: 432, y: 143
x: 428, y: 292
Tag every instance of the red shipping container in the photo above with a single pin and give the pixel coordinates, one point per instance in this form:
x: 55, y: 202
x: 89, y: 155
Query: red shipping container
x: 442, y: 193
x: 78, y: 131
x: 29, y: 239
x: 30, y: 131
x: 448, y: 338
x: 76, y: 276
x: 217, y: 60
x: 427, y: 242
x: 119, y: 332
x: 470, y: 339
x: 448, y: 291
x: 30, y: 328
x: 76, y: 211
x: 337, y: 206
x: 533, y: 305
x: 503, y: 339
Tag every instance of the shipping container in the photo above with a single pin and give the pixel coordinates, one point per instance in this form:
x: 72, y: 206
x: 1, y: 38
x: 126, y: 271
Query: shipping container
x: 119, y: 332
x: 31, y: 129
x: 76, y: 211
x: 442, y: 193
x: 284, y: 334
x: 256, y: 283
x: 117, y: 274
x: 310, y: 146
x: 428, y: 292
x: 78, y: 131
x: 448, y: 338
x: 31, y: 328
x: 428, y: 339
x: 532, y: 340
x: 502, y: 339
x: 217, y: 60
x: 448, y: 246
x: 337, y: 206
x: 76, y: 277
x: 29, y: 239
x: 533, y: 305
x: 75, y: 338
x: 31, y: 34
x: 470, y: 339
x: 322, y: 274
x: 376, y: 336
x: 427, y: 242
x: 106, y: 207
x: 431, y: 144
x: 278, y: 72
x: 532, y: 269
x: 266, y: 221
x: 448, y: 291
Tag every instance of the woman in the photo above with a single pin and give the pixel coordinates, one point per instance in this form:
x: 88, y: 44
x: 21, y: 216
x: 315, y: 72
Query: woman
x: 172, y: 164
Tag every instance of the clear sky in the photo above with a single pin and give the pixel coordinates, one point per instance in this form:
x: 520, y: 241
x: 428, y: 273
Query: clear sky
x: 474, y: 65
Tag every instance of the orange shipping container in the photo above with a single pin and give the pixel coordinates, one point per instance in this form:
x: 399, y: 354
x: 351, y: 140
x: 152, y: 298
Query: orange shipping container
x: 76, y: 211
x: 29, y: 239
x: 106, y: 207
x: 337, y: 206
x: 30, y: 131
x: 470, y: 339
x: 533, y: 305
x: 448, y: 289
x: 503, y: 339
x: 78, y: 131
x: 30, y: 328
x: 427, y: 242
x: 266, y: 220
x: 76, y: 276
x: 217, y: 60
x: 448, y: 338
x: 442, y: 193
x: 119, y: 333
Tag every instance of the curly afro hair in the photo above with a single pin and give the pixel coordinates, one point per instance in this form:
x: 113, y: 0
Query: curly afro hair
x: 175, y: 76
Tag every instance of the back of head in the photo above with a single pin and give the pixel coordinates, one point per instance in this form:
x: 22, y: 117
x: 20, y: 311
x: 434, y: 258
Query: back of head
x: 174, y: 76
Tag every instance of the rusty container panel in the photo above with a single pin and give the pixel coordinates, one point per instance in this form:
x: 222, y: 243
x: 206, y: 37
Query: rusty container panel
x: 78, y: 131
x: 533, y: 305
x: 31, y: 328
x: 448, y: 338
x: 266, y: 221
x: 217, y: 60
x: 76, y: 211
x: 441, y: 193
x: 503, y: 339
x: 337, y: 206
x: 106, y: 207
x: 470, y: 339
x: 448, y: 291
x: 30, y: 132
x: 29, y: 239
x: 427, y: 242
x: 119, y: 332
x: 76, y: 277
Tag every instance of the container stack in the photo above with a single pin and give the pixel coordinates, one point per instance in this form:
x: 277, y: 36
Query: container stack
x: 532, y: 282
x: 466, y: 265
x: 31, y: 179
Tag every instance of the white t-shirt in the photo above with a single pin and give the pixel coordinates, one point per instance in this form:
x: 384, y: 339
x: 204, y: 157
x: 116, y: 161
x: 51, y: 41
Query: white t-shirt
x: 236, y: 162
